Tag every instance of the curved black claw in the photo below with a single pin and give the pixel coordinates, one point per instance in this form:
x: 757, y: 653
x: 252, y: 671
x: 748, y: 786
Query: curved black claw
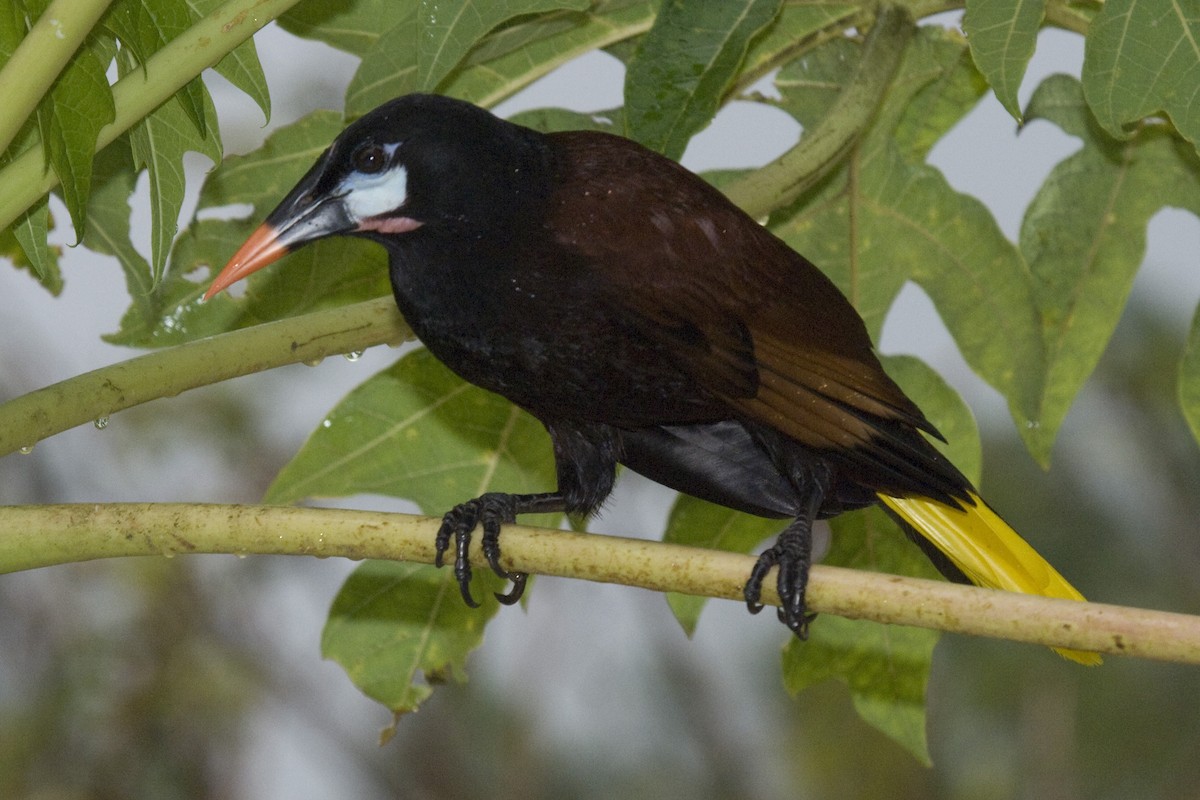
x: 792, y: 553
x: 753, y: 589
x: 491, y: 511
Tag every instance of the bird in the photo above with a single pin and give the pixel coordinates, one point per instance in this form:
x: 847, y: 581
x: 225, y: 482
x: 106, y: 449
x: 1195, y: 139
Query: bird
x: 645, y: 320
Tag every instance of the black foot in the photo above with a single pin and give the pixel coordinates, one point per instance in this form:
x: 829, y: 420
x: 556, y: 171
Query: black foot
x: 792, y: 553
x: 491, y: 511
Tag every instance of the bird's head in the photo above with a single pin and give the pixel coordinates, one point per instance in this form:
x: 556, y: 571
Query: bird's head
x: 418, y: 161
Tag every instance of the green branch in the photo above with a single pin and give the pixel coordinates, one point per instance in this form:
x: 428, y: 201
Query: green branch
x: 41, y: 56
x: 41, y: 536
x: 26, y: 180
x: 783, y: 180
x: 28, y: 419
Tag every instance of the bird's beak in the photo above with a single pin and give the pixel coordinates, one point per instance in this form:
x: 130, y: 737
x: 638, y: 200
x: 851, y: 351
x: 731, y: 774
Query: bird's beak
x: 305, y: 215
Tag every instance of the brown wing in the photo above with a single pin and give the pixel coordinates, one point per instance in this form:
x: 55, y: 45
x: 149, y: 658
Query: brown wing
x: 755, y: 323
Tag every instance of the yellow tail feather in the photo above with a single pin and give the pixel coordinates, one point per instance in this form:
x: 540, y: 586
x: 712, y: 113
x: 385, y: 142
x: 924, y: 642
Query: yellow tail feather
x: 988, y: 551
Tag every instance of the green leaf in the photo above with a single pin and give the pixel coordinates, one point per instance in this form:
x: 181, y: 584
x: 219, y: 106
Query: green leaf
x: 446, y: 32
x: 388, y: 68
x: 261, y: 178
x: 240, y: 66
x: 810, y: 85
x: 934, y: 87
x: 685, y: 64
x: 158, y: 142
x: 399, y: 628
x: 937, y: 102
x: 13, y: 29
x: 323, y: 274
x: 886, y: 667
x: 698, y: 523
x: 793, y: 33
x: 353, y: 26
x: 108, y: 227
x: 414, y: 430
x: 24, y: 244
x: 1142, y: 57
x: 896, y: 221
x: 1189, y: 378
x: 1084, y: 238
x: 144, y: 28
x: 511, y: 59
x: 549, y: 120
x: 885, y: 218
x: 1002, y: 35
x: 502, y: 63
x: 70, y: 117
x: 417, y: 431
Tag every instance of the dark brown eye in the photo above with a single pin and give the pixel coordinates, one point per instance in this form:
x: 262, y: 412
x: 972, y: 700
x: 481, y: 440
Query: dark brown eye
x: 370, y: 159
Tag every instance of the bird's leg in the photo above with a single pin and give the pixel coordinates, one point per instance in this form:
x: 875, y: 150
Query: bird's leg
x: 585, y: 462
x: 491, y: 511
x: 792, y: 553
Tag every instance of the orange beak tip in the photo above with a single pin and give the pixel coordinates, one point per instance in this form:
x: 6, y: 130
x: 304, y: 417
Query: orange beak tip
x: 259, y: 250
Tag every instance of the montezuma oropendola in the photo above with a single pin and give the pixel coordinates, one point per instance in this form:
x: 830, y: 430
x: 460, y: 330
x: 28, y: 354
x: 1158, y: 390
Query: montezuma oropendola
x: 644, y: 320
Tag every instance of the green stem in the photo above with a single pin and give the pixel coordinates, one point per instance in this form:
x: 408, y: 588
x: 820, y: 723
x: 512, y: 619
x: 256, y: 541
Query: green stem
x: 1067, y: 16
x: 783, y: 180
x: 25, y: 180
x: 28, y: 419
x: 40, y: 536
x: 40, y: 57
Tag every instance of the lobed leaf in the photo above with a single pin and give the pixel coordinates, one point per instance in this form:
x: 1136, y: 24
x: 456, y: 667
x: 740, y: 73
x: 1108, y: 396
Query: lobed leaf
x: 325, y: 273
x: 240, y: 66
x: 158, y: 143
x: 549, y: 120
x: 144, y: 26
x: 886, y: 667
x: 1002, y: 35
x: 502, y: 63
x: 794, y: 32
x: 70, y: 117
x: 445, y: 33
x: 388, y: 69
x: 398, y: 628
x: 354, y: 27
x: 685, y: 64
x: 414, y: 430
x: 1084, y: 238
x: 417, y: 431
x: 1142, y: 57
x: 944, y: 89
x: 24, y: 244
x: 702, y: 524
x: 493, y: 73
x: 108, y: 214
x: 884, y: 218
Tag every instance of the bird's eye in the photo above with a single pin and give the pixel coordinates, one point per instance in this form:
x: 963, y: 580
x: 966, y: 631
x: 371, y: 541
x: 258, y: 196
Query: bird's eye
x: 370, y: 159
